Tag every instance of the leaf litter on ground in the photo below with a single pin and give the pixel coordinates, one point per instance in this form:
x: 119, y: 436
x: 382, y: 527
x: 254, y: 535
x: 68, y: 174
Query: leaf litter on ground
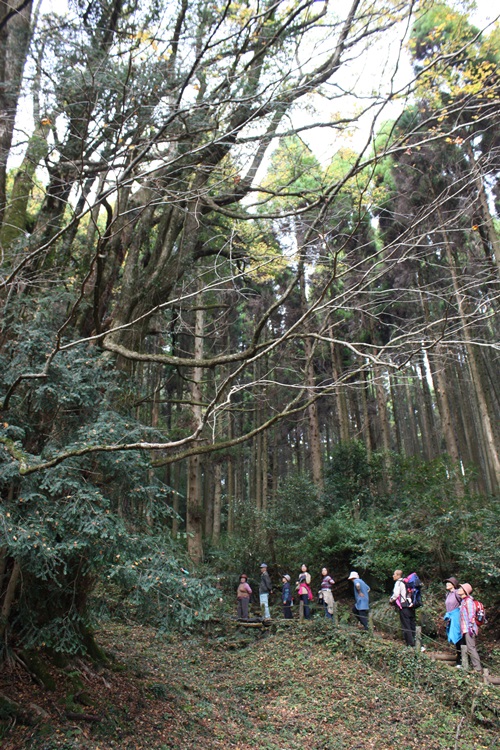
x: 282, y: 690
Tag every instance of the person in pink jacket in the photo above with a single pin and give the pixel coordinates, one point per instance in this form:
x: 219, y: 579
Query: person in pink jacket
x: 468, y: 625
x: 303, y: 587
x: 243, y: 595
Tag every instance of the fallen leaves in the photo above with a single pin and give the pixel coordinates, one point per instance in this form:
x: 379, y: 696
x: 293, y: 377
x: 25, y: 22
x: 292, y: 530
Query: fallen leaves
x: 284, y: 691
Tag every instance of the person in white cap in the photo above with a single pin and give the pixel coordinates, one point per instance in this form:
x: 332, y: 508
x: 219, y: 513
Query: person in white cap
x: 286, y: 597
x: 361, y: 599
x: 468, y: 625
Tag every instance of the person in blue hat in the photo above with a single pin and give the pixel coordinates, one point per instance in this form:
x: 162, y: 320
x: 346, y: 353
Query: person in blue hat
x: 265, y: 588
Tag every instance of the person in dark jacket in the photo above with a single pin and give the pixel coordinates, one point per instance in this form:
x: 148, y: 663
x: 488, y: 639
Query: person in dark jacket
x: 286, y: 597
x: 265, y: 588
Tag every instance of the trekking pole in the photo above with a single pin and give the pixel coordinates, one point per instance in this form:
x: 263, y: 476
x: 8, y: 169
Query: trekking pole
x: 335, y: 615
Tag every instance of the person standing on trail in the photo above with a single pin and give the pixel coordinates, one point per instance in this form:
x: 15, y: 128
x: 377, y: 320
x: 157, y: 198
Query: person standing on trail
x: 286, y: 597
x: 265, y: 588
x: 361, y: 599
x: 304, y: 590
x: 406, y: 612
x: 468, y: 624
x: 452, y: 616
x: 326, y: 593
x: 243, y: 595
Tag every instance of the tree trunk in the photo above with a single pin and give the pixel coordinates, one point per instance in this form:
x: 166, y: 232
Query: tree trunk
x: 230, y: 496
x: 471, y: 427
x: 209, y: 495
x: 217, y: 503
x: 276, y: 464
x: 265, y: 470
x: 429, y: 441
x: 394, y: 386
x: 175, y: 499
x: 3, y: 565
x: 15, y: 18
x: 340, y: 397
x: 365, y: 394
x: 436, y: 359
x: 383, y: 416
x: 487, y: 427
x: 15, y: 216
x: 485, y: 211
x: 315, y: 447
x: 9, y: 598
x: 257, y: 471
x: 412, y: 439
x: 194, y: 511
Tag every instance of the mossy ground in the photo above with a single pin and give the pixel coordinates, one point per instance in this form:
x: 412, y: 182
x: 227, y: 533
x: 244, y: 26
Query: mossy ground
x: 287, y: 688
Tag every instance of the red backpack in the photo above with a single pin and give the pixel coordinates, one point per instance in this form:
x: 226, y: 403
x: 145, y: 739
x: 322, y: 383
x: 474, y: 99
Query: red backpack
x: 479, y: 613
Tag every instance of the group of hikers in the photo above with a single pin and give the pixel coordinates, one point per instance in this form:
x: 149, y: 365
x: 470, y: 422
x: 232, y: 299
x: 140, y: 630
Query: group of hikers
x: 461, y: 617
x: 304, y: 594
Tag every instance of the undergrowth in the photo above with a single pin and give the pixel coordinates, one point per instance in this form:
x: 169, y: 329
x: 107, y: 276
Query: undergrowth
x: 286, y: 687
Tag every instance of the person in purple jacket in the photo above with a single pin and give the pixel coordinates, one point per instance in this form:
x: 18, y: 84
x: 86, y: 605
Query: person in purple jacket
x: 326, y: 593
x: 452, y: 616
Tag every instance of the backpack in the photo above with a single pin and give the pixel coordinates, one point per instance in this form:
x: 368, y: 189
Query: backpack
x: 413, y: 589
x: 480, y: 613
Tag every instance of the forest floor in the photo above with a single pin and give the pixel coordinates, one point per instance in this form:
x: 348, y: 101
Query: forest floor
x: 282, y: 688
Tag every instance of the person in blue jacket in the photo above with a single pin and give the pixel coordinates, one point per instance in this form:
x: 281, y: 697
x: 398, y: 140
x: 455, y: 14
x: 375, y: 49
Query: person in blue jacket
x: 286, y: 597
x: 361, y: 599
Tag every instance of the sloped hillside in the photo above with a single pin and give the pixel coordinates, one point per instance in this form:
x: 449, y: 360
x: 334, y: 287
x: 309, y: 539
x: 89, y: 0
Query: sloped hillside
x: 285, y: 688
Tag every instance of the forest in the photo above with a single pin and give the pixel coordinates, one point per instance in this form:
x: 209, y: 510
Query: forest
x: 250, y: 279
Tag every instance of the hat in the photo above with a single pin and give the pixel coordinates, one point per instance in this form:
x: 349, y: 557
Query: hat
x: 452, y: 580
x: 244, y: 575
x: 263, y: 565
x: 466, y: 587
x: 286, y: 577
x: 352, y: 575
